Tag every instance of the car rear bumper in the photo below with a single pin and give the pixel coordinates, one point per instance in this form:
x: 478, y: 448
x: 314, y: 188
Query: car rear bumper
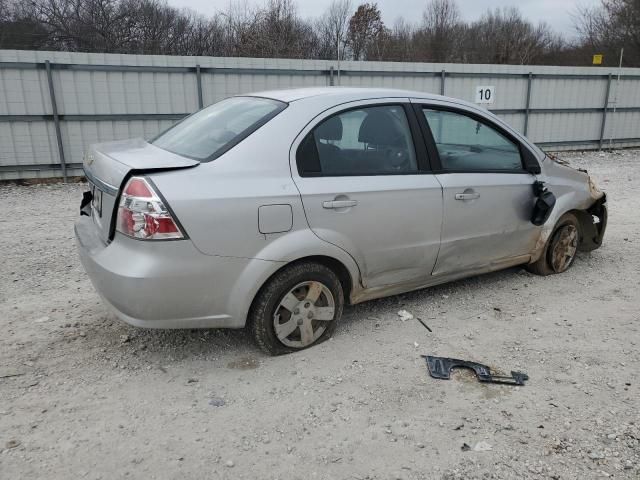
x: 160, y: 284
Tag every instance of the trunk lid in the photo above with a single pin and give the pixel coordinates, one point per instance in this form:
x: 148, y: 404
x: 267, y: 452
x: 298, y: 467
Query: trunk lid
x: 106, y: 165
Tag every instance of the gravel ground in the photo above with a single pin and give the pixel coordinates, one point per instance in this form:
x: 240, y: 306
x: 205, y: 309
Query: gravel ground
x: 83, y: 395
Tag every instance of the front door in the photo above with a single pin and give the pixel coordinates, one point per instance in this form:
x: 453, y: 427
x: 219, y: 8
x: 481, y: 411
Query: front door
x: 488, y: 196
x: 364, y: 188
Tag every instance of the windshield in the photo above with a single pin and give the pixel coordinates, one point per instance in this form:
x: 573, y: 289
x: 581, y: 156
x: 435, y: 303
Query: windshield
x: 209, y: 133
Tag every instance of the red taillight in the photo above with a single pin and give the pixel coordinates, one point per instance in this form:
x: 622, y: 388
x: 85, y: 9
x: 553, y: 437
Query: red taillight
x: 142, y: 214
x: 137, y: 187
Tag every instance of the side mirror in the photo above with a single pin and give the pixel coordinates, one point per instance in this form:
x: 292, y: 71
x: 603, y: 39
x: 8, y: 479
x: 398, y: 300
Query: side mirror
x: 543, y: 208
x: 531, y: 164
x: 545, y: 201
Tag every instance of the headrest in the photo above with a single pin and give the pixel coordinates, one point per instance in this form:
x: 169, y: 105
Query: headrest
x: 380, y: 128
x: 331, y: 129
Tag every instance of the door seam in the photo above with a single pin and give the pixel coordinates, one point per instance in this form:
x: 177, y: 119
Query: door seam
x: 441, y: 223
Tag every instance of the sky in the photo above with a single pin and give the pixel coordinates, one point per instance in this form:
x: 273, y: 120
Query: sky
x: 556, y: 13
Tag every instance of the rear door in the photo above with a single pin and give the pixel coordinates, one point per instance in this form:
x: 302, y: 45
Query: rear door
x: 487, y: 194
x: 363, y: 175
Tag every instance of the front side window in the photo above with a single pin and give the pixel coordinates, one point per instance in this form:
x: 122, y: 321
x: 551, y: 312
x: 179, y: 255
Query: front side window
x: 209, y: 133
x: 465, y: 144
x: 364, y: 141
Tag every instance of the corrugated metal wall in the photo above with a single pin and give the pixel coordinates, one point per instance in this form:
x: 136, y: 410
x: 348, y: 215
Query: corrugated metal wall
x: 101, y: 97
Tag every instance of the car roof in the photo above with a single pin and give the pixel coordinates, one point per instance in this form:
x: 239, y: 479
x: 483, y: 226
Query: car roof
x: 326, y: 97
x: 345, y: 93
x: 329, y: 96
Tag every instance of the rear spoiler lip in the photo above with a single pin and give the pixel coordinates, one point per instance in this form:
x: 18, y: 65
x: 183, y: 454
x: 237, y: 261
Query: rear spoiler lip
x: 107, y: 165
x: 113, y: 190
x: 105, y: 187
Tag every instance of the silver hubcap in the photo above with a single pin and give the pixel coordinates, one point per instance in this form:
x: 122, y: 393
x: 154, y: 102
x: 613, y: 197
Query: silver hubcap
x: 565, y: 248
x: 302, y: 314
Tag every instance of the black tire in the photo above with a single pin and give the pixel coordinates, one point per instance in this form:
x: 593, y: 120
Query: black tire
x: 262, y: 315
x: 545, y: 265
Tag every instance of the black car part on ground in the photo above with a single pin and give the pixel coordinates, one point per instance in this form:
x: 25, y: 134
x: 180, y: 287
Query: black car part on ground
x: 545, y: 202
x: 440, y: 367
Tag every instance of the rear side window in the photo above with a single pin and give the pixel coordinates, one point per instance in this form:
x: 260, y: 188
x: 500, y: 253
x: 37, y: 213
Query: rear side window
x: 209, y: 133
x: 465, y: 144
x: 365, y: 141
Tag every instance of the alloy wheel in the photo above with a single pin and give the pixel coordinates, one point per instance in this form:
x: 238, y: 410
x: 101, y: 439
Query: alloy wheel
x: 564, y: 248
x: 303, y: 314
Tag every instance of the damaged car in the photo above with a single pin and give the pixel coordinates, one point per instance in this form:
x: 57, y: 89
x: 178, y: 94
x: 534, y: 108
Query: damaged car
x: 273, y: 210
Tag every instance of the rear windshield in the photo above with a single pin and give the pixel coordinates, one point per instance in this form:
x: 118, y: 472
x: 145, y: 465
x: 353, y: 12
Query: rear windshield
x: 209, y: 133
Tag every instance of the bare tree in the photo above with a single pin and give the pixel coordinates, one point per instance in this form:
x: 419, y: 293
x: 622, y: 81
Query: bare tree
x: 86, y: 25
x: 282, y: 33
x: 20, y: 27
x: 205, y: 37
x: 276, y: 30
x: 332, y: 28
x: 5, y: 15
x: 400, y: 45
x: 441, y: 32
x: 503, y: 36
x: 157, y: 29
x: 240, y: 22
x: 613, y: 25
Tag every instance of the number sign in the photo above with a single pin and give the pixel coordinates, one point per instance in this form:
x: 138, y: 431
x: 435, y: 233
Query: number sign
x: 485, y: 94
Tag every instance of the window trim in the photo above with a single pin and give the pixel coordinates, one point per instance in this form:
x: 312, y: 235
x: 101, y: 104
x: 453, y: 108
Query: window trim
x: 433, y: 149
x: 419, y: 145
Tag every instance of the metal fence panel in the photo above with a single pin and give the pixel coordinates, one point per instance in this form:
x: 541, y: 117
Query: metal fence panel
x: 624, y: 125
x: 220, y: 84
x: 426, y: 83
x: 549, y: 128
x: 28, y: 142
x: 515, y: 120
x: 102, y: 97
x: 23, y: 92
x: 569, y: 93
x: 628, y: 93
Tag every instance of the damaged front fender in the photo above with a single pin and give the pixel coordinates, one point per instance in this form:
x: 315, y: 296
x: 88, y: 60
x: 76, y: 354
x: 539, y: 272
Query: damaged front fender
x: 589, y: 207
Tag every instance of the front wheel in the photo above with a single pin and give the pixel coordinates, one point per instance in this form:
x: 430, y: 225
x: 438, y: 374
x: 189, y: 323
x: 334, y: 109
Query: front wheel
x: 298, y: 307
x: 561, y: 248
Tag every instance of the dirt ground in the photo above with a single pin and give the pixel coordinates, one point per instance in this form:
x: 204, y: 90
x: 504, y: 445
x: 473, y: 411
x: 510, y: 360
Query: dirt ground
x: 83, y: 395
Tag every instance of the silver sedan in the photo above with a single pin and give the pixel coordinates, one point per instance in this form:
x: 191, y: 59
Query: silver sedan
x: 273, y: 210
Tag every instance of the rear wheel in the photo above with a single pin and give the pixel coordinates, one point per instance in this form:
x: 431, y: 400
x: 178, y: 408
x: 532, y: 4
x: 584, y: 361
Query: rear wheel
x: 561, y: 248
x: 297, y: 308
